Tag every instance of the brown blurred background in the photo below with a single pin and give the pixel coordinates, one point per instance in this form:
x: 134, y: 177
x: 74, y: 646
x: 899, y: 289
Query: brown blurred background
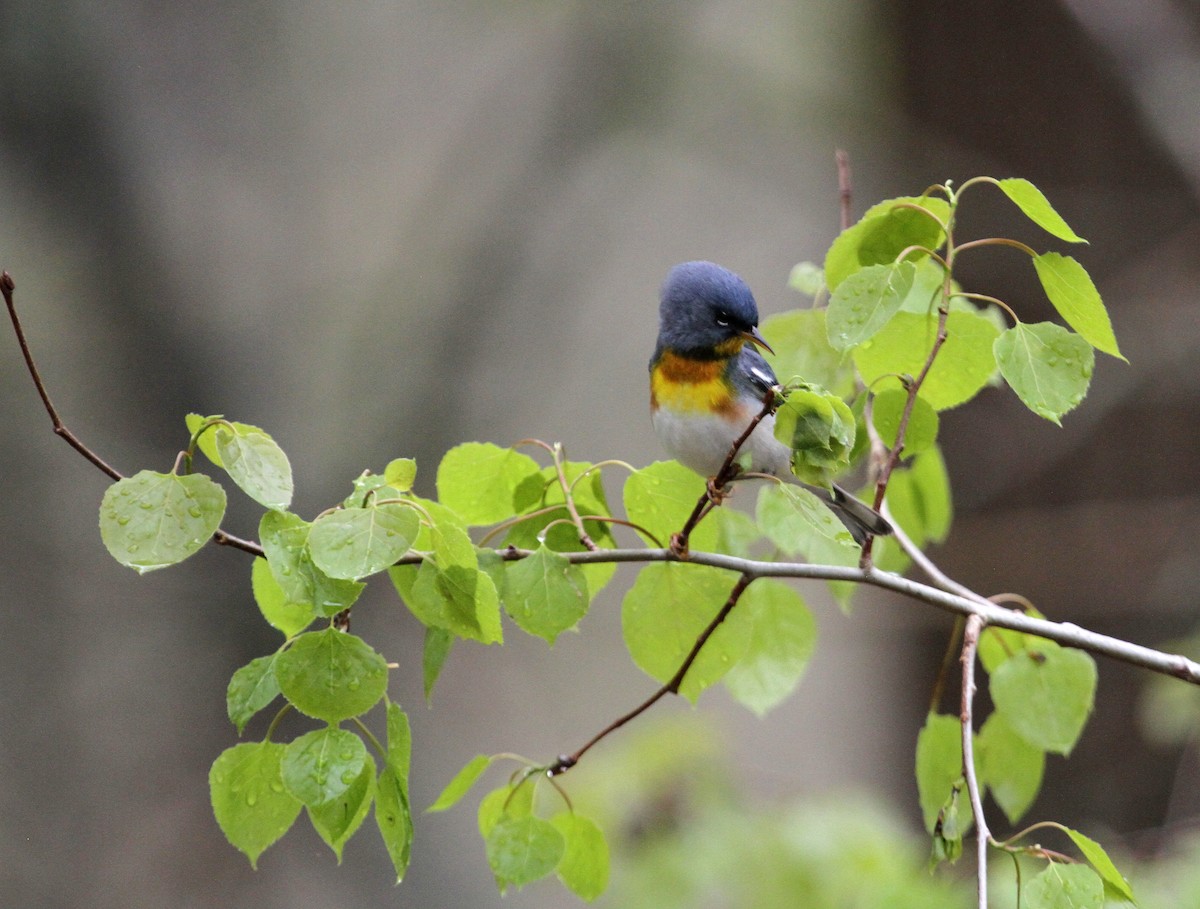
x: 381, y: 229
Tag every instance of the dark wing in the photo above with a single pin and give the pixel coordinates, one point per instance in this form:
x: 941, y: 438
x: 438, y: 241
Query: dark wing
x: 756, y: 371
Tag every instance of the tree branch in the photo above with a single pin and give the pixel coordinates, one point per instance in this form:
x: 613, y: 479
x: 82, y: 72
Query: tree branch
x: 983, y: 836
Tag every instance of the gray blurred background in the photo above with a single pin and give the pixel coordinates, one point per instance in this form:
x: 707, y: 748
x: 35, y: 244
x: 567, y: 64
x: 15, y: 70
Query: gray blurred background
x: 379, y: 229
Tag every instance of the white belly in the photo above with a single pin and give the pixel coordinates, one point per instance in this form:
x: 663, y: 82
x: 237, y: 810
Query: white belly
x: 701, y: 442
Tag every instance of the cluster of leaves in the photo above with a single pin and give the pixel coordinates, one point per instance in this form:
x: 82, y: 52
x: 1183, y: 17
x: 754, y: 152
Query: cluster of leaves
x: 898, y: 342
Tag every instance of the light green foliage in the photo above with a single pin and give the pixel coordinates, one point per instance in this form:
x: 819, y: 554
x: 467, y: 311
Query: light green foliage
x: 352, y: 543
x: 152, y: 520
x: 284, y: 537
x: 434, y: 654
x: 583, y: 867
x: 248, y: 454
x: 783, y: 635
x: 806, y: 278
x: 665, y: 612
x: 883, y: 233
x: 1009, y: 766
x: 659, y: 498
x: 819, y: 428
x: 939, y: 764
x: 1047, y: 366
x: 339, y: 818
x: 331, y: 675
x: 522, y: 850
x: 479, y: 481
x: 1096, y: 855
x: 1064, y: 887
x: 462, y: 782
x: 802, y: 351
x: 865, y: 301
x: 1046, y: 696
x: 393, y: 811
x: 963, y: 365
x: 922, y: 428
x: 248, y: 797
x: 251, y: 689
x: 545, y: 594
x: 1038, y: 209
x: 1069, y: 287
x: 321, y: 765
x: 919, y: 498
x: 790, y: 516
x: 282, y: 614
x: 400, y: 474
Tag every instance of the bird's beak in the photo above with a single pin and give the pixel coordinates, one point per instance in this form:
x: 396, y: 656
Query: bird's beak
x: 756, y: 338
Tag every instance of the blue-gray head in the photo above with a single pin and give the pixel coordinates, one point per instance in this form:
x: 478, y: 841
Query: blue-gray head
x: 703, y: 307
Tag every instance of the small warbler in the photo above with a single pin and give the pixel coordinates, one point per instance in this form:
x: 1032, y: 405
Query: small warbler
x: 708, y: 381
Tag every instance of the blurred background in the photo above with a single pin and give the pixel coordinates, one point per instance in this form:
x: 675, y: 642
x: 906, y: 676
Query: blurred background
x: 380, y: 229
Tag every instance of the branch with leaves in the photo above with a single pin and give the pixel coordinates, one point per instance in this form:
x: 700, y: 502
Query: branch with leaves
x: 897, y: 342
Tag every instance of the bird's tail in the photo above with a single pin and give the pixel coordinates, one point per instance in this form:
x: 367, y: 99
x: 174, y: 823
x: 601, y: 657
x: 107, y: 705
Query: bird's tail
x: 860, y: 519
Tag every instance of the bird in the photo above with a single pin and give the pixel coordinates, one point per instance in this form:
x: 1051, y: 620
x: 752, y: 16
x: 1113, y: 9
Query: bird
x: 708, y: 380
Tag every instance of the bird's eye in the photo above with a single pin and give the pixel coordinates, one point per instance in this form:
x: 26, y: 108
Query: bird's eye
x: 722, y: 318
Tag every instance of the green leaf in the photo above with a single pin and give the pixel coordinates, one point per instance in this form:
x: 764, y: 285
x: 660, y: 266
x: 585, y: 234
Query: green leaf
x: 819, y: 428
x: 660, y: 498
x: 251, y: 689
x: 1046, y: 696
x: 248, y: 799
x: 1069, y: 287
x: 352, y: 543
x: 782, y: 636
x: 459, y: 599
x: 544, y: 490
x: 545, y: 594
x: 256, y: 463
x: 321, y: 765
x: 522, y: 850
x: 393, y: 816
x: 399, y: 742
x: 1064, y: 887
x: 919, y: 498
x: 665, y: 612
x: 922, y: 429
x: 806, y: 278
x: 509, y: 801
x: 280, y: 613
x: 963, y: 366
x: 865, y: 301
x: 883, y: 233
x: 802, y: 350
x: 438, y: 642
x: 284, y: 538
x: 583, y: 867
x: 152, y: 520
x: 479, y: 480
x: 338, y: 819
x: 1009, y: 766
x: 462, y: 782
x: 400, y: 474
x: 939, y: 764
x: 1047, y: 366
x: 1098, y: 857
x: 331, y: 675
x: 998, y: 644
x: 207, y: 442
x: 789, y: 515
x: 1037, y: 208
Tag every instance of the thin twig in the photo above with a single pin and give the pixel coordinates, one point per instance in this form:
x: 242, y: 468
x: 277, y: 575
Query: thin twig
x: 7, y: 286
x: 970, y: 647
x: 845, y: 186
x: 559, y: 468
x: 566, y: 761
x: 729, y: 470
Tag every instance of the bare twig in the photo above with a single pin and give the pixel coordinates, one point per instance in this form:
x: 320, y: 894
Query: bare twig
x: 565, y: 762
x: 970, y: 647
x: 7, y: 286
